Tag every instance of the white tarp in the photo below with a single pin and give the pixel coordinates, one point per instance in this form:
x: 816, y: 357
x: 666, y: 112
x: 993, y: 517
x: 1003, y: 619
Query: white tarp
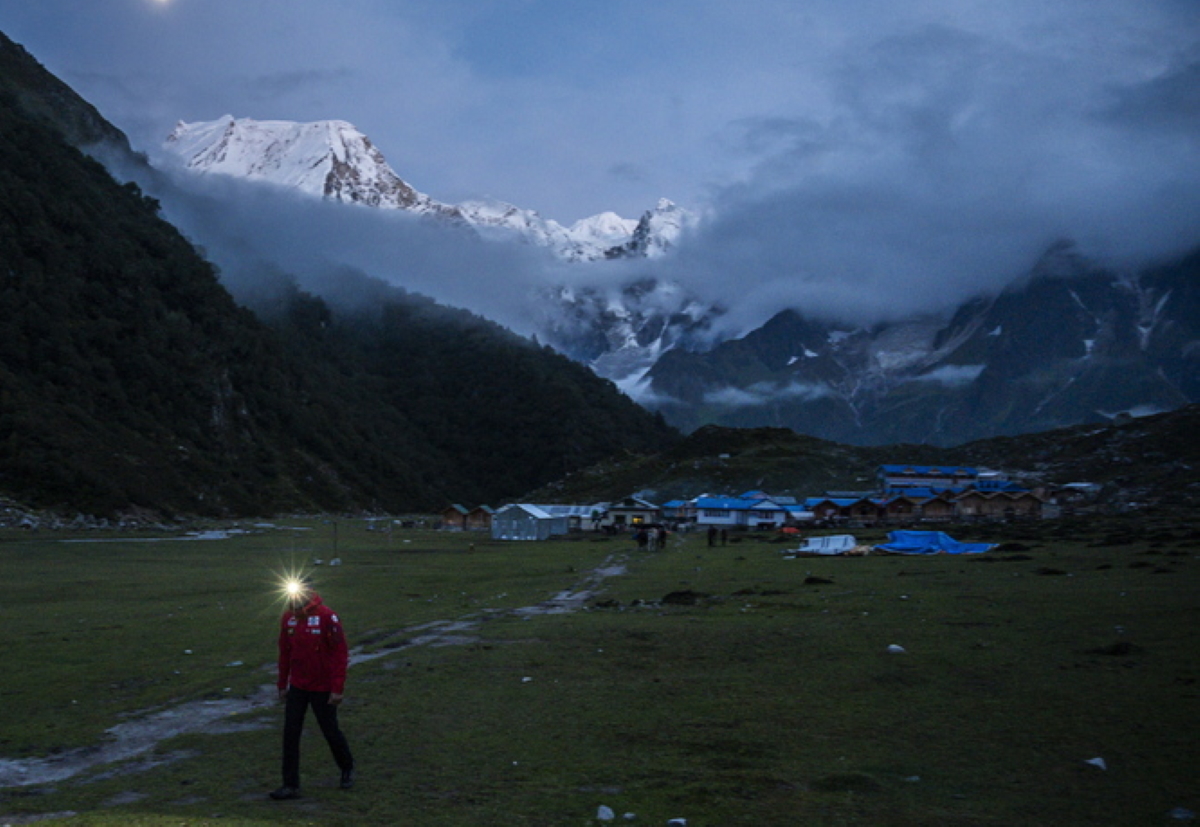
x: 829, y: 544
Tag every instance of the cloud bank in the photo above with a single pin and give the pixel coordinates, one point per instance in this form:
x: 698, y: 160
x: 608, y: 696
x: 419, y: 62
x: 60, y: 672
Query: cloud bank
x: 857, y: 160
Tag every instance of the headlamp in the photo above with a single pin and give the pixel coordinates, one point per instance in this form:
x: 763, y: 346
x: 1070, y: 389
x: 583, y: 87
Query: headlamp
x: 294, y: 588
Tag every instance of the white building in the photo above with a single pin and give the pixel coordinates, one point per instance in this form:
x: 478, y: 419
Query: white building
x: 522, y: 521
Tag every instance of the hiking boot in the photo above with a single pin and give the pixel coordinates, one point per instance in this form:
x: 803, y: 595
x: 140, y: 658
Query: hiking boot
x: 285, y: 793
x: 347, y: 779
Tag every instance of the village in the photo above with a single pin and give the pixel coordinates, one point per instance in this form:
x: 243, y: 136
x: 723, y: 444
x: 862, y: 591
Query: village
x: 903, y: 495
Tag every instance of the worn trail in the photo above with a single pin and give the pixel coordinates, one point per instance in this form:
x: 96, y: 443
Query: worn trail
x: 140, y: 736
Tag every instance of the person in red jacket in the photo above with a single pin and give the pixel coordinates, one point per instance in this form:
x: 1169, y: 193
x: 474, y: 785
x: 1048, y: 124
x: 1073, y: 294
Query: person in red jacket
x: 312, y: 673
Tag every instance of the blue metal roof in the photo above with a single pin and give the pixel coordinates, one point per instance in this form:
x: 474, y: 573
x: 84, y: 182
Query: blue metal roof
x: 729, y: 503
x: 838, y: 501
x: 918, y: 492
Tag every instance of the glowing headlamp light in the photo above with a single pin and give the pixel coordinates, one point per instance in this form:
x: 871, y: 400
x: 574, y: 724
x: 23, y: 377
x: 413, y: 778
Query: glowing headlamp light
x: 294, y: 587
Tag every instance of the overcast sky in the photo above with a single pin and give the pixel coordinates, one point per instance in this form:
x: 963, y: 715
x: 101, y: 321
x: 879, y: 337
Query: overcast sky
x: 860, y: 154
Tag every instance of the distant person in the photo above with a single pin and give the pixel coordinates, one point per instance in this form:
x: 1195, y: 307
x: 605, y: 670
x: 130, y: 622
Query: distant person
x: 312, y: 673
x: 724, y: 536
x: 712, y: 535
x: 641, y: 538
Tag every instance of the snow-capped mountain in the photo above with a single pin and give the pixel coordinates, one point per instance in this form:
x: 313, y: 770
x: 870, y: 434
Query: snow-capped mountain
x: 333, y: 160
x: 622, y: 331
x: 330, y: 159
x: 656, y: 232
x: 1068, y: 342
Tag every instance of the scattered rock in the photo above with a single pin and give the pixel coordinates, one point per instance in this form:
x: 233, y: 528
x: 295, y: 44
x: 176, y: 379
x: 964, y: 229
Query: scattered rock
x: 813, y: 580
x: 893, y: 649
x: 686, y: 597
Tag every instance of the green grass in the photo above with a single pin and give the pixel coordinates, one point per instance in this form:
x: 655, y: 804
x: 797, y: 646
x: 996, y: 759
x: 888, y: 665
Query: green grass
x: 768, y: 700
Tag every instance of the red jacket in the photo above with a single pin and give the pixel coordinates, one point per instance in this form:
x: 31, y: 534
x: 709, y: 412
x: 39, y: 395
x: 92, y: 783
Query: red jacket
x: 312, y: 649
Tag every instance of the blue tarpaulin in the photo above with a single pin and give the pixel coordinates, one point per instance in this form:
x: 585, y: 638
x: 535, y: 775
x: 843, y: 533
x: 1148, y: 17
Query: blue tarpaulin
x: 929, y: 542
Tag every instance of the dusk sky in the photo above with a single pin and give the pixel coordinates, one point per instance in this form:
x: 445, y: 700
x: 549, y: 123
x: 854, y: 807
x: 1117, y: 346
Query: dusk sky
x: 915, y: 150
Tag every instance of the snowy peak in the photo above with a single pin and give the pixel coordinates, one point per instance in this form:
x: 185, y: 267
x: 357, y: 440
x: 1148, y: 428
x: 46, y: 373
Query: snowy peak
x: 330, y: 159
x: 333, y: 160
x: 658, y: 230
x: 602, y: 232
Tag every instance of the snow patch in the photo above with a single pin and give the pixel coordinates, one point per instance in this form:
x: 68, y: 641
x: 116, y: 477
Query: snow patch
x: 951, y: 375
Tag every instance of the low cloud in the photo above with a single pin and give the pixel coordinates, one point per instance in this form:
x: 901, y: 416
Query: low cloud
x: 256, y: 233
x: 763, y: 393
x: 946, y: 163
x: 857, y: 162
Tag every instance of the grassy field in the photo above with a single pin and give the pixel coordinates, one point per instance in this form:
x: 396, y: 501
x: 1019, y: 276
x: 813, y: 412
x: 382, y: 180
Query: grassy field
x: 760, y: 691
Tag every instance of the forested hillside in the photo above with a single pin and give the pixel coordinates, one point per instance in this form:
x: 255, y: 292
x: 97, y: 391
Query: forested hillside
x: 130, y: 379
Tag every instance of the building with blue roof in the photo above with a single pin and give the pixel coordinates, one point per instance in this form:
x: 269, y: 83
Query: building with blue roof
x: 893, y: 477
x: 737, y: 512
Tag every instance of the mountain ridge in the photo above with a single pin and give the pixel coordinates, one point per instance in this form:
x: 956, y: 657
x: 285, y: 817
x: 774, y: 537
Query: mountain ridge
x: 1069, y: 342
x: 1065, y: 342
x: 334, y: 160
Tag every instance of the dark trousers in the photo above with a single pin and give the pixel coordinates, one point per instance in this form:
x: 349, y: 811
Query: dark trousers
x: 298, y: 702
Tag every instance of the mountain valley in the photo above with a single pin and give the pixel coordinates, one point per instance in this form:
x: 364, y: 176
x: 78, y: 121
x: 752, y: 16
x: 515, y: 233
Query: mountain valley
x: 134, y: 382
x: 1070, y: 341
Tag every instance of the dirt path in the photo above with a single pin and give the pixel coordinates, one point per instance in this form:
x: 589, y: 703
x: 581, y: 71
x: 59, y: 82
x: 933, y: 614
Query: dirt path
x: 140, y: 736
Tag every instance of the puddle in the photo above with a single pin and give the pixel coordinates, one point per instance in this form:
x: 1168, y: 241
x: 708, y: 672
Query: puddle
x: 137, y: 737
